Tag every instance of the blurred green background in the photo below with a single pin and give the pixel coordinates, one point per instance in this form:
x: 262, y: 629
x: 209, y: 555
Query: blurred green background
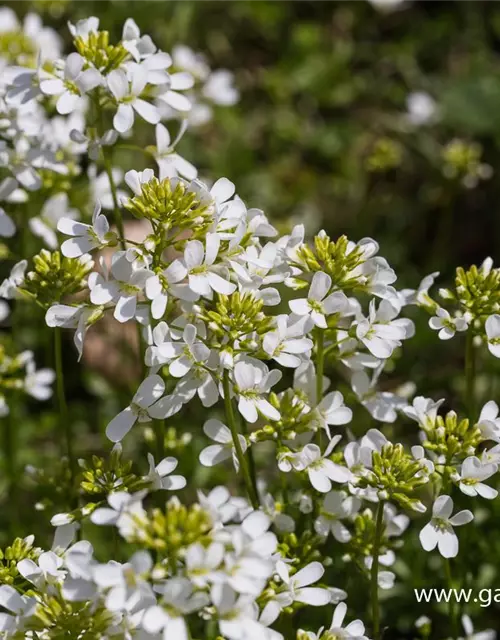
x: 322, y: 135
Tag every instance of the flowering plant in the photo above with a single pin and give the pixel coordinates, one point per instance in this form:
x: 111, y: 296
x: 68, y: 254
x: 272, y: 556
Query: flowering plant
x: 282, y: 340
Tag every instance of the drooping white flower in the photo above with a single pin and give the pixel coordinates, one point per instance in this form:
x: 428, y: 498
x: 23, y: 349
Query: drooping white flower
x: 71, y: 83
x: 446, y: 325
x: 319, y: 303
x: 149, y: 392
x: 79, y: 318
x: 170, y: 163
x: 382, y: 405
x: 471, y: 476
x: 439, y: 531
x: 224, y: 449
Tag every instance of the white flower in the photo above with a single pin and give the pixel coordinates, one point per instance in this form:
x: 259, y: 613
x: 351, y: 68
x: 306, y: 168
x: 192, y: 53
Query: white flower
x: 202, y: 563
x: 68, y: 317
x: 47, y: 571
x: 286, y: 343
x: 159, y: 285
x: 170, y: 163
x: 202, y: 273
x: 86, y: 237
x: 387, y: 6
x: 37, y: 383
x: 138, y: 46
x: 492, y: 327
x: 239, y: 616
x: 124, y: 290
x: 472, y: 474
x: 446, y: 325
x: 252, y: 381
x: 320, y: 469
x: 424, y: 411
x: 183, y: 354
x: 124, y: 584
x: 216, y: 453
x: 75, y: 82
x: 94, y: 144
x: 489, y: 422
x: 355, y: 630
x: 298, y: 589
x: 54, y: 209
x: 7, y: 226
x: 382, y: 332
x: 159, y: 474
x: 126, y: 94
x: 150, y: 390
x: 421, y: 107
x: 122, y: 508
x: 333, y: 411
x: 19, y: 608
x: 439, y: 531
x: 337, y: 506
x: 9, y: 287
x: 489, y: 634
x: 318, y: 303
x: 382, y: 405
x: 219, y: 88
x: 179, y: 599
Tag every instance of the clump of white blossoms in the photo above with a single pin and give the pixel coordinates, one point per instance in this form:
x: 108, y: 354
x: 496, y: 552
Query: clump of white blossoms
x: 248, y: 322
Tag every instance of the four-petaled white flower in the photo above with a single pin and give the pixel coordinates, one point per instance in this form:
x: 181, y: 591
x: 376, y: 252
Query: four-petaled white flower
x: 74, y: 82
x: 252, y: 381
x: 202, y: 273
x: 321, y: 470
x: 446, y: 325
x: 439, y: 531
x: 297, y: 585
x: 127, y: 95
x: 86, y: 237
x: 472, y: 474
x: 319, y: 303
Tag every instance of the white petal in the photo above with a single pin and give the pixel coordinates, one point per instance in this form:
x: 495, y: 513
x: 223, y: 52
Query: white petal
x: 121, y: 424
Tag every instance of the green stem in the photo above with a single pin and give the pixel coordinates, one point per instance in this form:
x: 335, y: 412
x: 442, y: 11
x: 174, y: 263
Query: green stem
x: 374, y: 573
x: 320, y: 367
x: 10, y: 457
x: 160, y: 439
x: 451, y: 603
x: 470, y: 374
x: 116, y: 206
x: 64, y: 421
x: 251, y: 489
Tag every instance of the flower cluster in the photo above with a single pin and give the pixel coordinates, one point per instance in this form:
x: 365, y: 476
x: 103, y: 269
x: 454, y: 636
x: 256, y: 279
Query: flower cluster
x: 243, y: 320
